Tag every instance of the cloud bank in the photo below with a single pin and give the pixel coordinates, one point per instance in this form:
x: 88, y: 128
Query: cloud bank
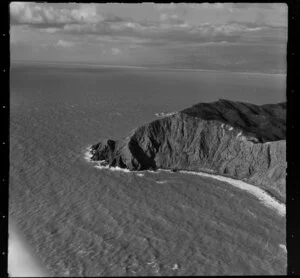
x: 212, y: 36
x: 65, y: 44
x: 87, y: 19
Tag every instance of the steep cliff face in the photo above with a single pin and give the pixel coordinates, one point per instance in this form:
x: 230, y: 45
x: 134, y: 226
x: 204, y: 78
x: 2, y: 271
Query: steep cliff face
x: 235, y: 139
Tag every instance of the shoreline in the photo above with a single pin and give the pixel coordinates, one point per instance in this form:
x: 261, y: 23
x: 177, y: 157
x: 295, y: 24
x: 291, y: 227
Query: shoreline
x: 263, y: 196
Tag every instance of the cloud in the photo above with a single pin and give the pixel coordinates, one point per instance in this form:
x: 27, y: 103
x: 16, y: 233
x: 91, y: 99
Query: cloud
x: 171, y: 6
x: 51, y: 30
x: 209, y: 6
x: 171, y: 19
x: 264, y: 6
x: 87, y: 13
x: 65, y: 44
x: 173, y: 30
x: 86, y: 19
x: 169, y: 28
x: 271, y: 14
x: 115, y: 51
x: 24, y: 13
x: 34, y: 14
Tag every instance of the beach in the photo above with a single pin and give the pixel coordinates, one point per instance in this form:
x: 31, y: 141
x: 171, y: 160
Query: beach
x: 259, y: 193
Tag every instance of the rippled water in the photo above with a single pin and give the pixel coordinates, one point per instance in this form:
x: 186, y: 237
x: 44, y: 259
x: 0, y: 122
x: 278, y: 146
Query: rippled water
x: 82, y: 221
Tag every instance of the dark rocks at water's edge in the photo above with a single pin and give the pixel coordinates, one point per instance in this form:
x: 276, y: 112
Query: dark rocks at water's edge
x: 235, y: 139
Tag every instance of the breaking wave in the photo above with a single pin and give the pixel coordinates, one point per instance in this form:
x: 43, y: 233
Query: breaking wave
x: 259, y: 193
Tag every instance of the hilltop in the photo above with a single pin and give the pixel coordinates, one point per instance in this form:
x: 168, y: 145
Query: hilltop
x: 235, y: 139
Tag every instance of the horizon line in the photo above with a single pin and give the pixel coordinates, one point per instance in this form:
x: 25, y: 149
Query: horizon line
x: 97, y: 64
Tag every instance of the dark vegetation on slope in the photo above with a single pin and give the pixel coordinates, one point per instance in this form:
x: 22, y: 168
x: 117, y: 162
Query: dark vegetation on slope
x: 266, y: 122
x: 240, y: 140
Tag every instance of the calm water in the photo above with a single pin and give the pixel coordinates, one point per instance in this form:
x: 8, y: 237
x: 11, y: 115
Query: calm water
x: 82, y: 221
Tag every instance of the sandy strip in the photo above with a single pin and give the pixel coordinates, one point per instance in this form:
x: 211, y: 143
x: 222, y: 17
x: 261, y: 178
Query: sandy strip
x: 21, y: 262
x: 259, y: 193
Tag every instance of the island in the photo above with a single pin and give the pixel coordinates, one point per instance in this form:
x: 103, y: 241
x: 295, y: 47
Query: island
x: 235, y: 139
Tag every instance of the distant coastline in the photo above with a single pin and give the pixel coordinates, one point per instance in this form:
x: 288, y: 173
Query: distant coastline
x: 95, y: 65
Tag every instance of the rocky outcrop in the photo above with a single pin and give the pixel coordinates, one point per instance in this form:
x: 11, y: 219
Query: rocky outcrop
x: 240, y: 140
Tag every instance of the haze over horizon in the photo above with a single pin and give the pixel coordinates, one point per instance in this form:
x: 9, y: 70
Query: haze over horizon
x: 230, y: 36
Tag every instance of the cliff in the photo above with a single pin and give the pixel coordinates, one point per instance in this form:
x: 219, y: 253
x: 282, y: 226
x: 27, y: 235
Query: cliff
x: 240, y: 140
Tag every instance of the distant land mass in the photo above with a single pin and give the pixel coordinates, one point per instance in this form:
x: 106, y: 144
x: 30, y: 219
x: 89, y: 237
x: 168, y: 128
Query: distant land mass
x: 229, y: 138
x: 163, y: 67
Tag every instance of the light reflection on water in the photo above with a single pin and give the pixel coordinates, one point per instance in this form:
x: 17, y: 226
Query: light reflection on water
x: 21, y: 262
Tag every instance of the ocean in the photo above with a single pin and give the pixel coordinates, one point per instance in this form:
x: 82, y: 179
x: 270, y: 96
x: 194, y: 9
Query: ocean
x: 84, y: 221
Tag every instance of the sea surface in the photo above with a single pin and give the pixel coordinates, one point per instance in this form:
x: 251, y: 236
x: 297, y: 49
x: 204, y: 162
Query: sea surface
x: 84, y: 221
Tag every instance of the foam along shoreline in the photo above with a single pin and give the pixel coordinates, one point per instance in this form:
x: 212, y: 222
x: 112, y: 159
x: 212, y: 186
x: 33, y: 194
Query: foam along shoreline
x: 259, y: 193
x: 21, y: 262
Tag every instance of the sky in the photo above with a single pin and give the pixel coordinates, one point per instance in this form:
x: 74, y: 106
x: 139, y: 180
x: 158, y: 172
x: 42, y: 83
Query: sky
x: 238, y: 36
